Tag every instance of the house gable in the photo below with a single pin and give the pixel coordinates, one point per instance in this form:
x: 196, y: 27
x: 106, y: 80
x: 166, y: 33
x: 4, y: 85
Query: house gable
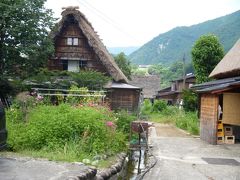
x: 78, y: 46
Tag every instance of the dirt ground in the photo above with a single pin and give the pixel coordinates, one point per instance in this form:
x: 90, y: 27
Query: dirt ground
x: 168, y: 130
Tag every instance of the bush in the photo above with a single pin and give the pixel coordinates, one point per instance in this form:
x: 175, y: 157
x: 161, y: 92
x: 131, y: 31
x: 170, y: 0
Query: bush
x: 64, y: 79
x: 146, y: 107
x: 190, y: 100
x: 55, y: 128
x: 159, y: 105
x: 124, y: 120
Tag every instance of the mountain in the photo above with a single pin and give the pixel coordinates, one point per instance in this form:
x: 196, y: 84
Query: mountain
x: 172, y: 45
x: 126, y: 50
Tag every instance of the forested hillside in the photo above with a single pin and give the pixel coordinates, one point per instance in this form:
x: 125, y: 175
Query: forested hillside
x: 172, y: 45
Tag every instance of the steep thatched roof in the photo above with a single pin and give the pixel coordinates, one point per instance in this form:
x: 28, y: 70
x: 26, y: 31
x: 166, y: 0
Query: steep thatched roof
x: 229, y: 66
x: 150, y: 84
x: 93, y: 40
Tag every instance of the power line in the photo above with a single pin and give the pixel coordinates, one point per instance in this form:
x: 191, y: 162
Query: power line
x: 105, y: 18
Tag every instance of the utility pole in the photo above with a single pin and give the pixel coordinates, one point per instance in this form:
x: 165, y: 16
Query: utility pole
x: 184, y: 72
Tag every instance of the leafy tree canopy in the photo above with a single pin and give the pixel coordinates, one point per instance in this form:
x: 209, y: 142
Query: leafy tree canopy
x: 124, y: 64
x: 24, y: 42
x: 167, y: 73
x: 206, y: 53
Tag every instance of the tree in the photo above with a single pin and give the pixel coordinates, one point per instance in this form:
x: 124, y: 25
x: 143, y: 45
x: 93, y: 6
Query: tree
x: 206, y: 53
x: 156, y: 69
x: 190, y: 100
x: 124, y: 64
x: 24, y: 42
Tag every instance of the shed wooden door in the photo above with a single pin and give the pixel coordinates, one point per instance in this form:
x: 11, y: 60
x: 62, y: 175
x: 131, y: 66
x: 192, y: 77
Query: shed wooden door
x: 208, y: 118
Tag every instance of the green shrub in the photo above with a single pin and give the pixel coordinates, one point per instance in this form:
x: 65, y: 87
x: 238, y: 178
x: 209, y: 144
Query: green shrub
x: 55, y: 128
x: 64, y: 79
x: 146, y: 107
x: 159, y: 105
x: 190, y: 100
x: 124, y: 120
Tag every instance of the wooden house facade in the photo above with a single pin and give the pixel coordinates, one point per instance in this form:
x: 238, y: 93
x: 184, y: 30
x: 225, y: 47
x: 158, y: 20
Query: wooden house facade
x: 220, y: 101
x: 78, y: 47
x: 173, y: 94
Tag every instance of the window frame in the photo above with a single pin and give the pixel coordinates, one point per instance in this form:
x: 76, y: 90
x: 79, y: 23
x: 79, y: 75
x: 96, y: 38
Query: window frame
x: 72, y: 41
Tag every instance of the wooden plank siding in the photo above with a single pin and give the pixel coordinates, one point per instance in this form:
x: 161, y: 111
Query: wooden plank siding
x: 208, y: 118
x: 82, y: 51
x: 127, y: 99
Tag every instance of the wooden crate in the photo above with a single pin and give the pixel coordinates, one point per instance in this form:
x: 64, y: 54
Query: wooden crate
x: 229, y: 139
x: 220, y: 132
x: 220, y: 140
x: 228, y: 130
x: 220, y: 125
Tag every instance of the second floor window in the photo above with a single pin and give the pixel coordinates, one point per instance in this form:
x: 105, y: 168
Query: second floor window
x: 72, y: 41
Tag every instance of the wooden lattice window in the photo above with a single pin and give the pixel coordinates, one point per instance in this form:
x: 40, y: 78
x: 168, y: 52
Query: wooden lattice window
x: 72, y: 41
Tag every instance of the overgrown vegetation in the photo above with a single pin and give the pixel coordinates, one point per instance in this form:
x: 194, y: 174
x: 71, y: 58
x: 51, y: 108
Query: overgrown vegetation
x: 76, y: 130
x: 172, y: 115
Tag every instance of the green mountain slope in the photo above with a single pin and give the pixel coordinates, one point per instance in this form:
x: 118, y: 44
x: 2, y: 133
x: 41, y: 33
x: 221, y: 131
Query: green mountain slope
x: 170, y: 46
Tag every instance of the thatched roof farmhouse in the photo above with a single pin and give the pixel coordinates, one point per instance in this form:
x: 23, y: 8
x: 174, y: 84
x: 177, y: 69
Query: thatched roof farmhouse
x: 78, y: 47
x: 86, y: 46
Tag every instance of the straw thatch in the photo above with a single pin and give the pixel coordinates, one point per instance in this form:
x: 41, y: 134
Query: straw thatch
x: 229, y: 66
x: 150, y: 84
x: 93, y: 40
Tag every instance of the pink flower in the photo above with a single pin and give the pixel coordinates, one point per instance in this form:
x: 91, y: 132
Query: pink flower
x: 39, y: 97
x: 109, y: 123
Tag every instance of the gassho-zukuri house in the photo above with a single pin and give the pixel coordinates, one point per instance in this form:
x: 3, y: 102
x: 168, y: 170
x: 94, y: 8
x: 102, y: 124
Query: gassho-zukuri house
x: 78, y: 47
x: 220, y: 101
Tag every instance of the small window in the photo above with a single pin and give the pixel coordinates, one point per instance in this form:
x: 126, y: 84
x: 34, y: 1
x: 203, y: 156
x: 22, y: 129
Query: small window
x: 69, y: 41
x: 75, y: 41
x: 72, y: 41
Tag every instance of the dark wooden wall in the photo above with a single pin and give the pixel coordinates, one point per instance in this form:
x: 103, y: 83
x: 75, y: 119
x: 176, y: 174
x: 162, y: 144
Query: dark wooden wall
x: 208, y: 118
x: 81, y: 51
x: 127, y: 99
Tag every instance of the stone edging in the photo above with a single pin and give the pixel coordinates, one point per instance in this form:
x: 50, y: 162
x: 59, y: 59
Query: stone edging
x: 114, y: 169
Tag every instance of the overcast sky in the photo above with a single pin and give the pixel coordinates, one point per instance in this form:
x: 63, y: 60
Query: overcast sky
x: 135, y: 22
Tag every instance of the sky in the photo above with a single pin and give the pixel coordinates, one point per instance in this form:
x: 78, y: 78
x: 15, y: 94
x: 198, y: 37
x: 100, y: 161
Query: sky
x: 123, y: 23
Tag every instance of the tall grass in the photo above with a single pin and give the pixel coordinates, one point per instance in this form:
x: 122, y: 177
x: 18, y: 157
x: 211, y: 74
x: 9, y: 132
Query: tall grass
x: 184, y: 120
x: 172, y: 115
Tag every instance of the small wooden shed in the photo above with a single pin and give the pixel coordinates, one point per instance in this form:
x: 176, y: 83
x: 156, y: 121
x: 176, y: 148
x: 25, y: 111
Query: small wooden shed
x: 220, y: 101
x: 123, y: 96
